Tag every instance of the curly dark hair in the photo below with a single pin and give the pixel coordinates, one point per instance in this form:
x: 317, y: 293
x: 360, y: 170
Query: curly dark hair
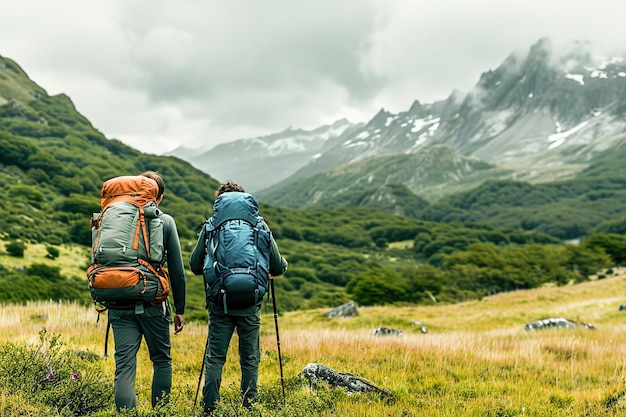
x: 228, y: 187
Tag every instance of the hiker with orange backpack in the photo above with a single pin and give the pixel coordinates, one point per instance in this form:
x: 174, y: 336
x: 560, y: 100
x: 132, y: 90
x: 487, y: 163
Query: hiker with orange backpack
x: 132, y: 241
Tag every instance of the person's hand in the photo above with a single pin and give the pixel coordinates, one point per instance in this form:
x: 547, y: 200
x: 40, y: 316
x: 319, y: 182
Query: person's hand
x: 179, y: 322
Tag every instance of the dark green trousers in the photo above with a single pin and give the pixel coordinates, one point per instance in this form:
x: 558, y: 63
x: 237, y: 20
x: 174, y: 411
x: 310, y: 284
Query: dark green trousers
x: 128, y: 330
x: 221, y: 329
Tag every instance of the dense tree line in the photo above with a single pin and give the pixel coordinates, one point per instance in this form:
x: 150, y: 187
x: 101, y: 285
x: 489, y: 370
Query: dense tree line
x: 39, y: 282
x: 566, y: 210
x: 478, y: 270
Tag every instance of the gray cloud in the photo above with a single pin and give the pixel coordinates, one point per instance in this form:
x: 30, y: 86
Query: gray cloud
x: 157, y: 74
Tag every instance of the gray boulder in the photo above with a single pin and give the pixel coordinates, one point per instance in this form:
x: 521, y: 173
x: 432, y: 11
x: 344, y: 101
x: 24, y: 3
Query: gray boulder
x: 345, y: 310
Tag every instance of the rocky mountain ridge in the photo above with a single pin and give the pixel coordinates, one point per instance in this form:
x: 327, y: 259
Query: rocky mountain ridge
x: 538, y: 118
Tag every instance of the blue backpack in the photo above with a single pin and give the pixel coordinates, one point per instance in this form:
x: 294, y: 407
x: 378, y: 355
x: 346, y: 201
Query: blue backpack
x: 237, y: 257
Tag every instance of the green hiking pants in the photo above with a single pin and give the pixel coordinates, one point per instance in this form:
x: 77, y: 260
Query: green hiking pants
x: 221, y: 329
x: 128, y: 329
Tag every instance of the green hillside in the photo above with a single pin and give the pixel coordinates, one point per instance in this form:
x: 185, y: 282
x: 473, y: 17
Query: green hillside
x: 568, y: 209
x: 53, y: 163
x: 431, y: 174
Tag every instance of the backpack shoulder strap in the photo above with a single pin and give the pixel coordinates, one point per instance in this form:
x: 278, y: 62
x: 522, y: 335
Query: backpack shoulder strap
x: 209, y: 225
x: 209, y: 234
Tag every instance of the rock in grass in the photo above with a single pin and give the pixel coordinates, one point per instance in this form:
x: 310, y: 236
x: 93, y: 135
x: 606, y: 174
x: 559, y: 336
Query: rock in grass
x: 315, y: 372
x: 555, y: 322
x: 345, y: 310
x: 386, y: 331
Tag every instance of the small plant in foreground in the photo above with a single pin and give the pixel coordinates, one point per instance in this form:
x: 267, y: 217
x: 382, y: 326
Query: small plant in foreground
x: 66, y: 382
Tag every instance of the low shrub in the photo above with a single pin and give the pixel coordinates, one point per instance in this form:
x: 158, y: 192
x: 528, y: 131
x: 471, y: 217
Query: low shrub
x: 59, y: 381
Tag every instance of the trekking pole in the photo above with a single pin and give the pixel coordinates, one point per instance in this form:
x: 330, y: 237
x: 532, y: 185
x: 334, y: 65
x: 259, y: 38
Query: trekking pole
x: 280, y: 361
x: 195, y: 401
x: 106, y: 340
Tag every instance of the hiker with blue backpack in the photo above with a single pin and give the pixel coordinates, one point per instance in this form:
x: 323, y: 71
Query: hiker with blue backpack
x: 132, y: 240
x: 237, y: 256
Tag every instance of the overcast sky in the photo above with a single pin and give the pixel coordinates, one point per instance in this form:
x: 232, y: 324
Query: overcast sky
x: 157, y: 74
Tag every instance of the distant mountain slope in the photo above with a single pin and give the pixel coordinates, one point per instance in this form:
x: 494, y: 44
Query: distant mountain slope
x: 425, y: 174
x: 393, y: 198
x: 568, y: 209
x: 551, y: 108
x: 257, y: 163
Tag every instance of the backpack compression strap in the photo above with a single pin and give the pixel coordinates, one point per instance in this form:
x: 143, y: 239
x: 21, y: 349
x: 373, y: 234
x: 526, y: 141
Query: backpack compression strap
x: 141, y: 229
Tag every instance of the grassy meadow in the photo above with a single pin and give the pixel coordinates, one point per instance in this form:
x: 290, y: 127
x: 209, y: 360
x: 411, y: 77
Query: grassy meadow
x: 476, y: 359
x: 72, y: 260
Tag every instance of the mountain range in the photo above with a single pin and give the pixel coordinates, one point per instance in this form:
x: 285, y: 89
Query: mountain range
x: 261, y: 162
x: 539, y: 118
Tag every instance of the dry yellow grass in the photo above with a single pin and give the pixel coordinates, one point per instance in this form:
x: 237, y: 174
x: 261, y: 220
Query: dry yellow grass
x: 476, y: 358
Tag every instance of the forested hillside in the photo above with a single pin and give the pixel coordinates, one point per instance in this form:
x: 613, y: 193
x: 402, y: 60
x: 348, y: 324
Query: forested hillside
x: 53, y: 163
x: 569, y: 209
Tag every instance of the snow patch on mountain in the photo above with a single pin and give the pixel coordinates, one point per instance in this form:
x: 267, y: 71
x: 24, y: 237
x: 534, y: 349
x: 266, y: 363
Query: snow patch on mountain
x: 428, y: 126
x: 419, y: 124
x: 557, y: 139
x: 599, y: 74
x: 300, y: 142
x: 579, y: 78
x: 390, y: 120
x: 287, y: 145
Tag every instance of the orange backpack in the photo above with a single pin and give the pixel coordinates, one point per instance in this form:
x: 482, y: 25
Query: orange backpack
x: 128, y: 245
